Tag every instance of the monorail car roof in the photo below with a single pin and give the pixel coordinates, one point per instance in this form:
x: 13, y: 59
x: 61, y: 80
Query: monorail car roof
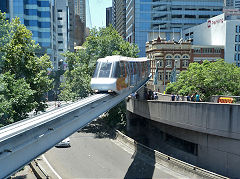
x: 115, y: 58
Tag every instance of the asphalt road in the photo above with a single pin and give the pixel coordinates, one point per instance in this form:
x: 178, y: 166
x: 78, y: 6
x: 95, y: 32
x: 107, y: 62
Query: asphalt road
x: 91, y: 157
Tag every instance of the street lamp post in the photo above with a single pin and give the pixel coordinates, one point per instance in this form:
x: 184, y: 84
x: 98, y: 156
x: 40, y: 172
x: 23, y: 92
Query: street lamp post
x: 164, y: 78
x: 173, y: 73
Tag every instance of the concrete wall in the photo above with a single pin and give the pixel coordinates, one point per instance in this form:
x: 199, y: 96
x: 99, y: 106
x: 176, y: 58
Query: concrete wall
x: 213, y: 127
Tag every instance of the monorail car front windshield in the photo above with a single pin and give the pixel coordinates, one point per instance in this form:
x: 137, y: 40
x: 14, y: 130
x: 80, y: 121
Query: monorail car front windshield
x: 103, y: 70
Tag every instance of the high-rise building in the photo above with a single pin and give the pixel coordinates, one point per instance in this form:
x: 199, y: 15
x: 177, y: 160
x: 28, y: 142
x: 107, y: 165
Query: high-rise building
x: 4, y: 6
x: 237, y: 4
x: 80, y: 9
x: 119, y: 16
x: 36, y: 16
x: 229, y: 3
x: 108, y: 16
x: 80, y: 22
x: 147, y: 16
x: 51, y: 23
x: 223, y: 30
x: 63, y: 40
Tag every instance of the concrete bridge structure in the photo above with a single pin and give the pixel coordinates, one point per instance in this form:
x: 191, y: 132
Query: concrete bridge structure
x: 203, y: 134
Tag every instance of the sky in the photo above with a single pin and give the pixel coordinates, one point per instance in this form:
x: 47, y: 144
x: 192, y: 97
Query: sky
x: 98, y: 12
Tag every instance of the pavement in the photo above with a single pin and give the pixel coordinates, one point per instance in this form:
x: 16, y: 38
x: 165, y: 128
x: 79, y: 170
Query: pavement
x: 39, y: 168
x: 26, y: 172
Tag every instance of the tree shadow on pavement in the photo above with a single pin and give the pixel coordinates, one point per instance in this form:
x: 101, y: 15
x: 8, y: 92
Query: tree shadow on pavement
x: 19, y: 177
x: 99, y: 128
x: 142, y: 166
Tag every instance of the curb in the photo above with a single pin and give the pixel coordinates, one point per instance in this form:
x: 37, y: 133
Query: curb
x: 38, y: 170
x: 168, y: 161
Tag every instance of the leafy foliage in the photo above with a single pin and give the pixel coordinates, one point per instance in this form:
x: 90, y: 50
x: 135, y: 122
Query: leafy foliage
x: 81, y: 64
x: 24, y: 76
x: 116, y: 117
x: 106, y: 42
x: 207, y: 79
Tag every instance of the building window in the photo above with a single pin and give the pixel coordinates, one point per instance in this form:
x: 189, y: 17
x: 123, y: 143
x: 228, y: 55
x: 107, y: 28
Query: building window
x: 160, y: 75
x: 43, y: 4
x: 160, y: 63
x: 217, y: 50
x: 60, y: 26
x: 197, y: 50
x: 169, y: 60
x: 60, y: 34
x: 185, y: 63
x: 167, y: 75
x: 59, y: 10
x: 60, y: 50
x: 59, y: 18
x: 169, y: 63
x: 236, y: 38
x: 60, y: 42
x: 190, y: 16
x: 237, y: 29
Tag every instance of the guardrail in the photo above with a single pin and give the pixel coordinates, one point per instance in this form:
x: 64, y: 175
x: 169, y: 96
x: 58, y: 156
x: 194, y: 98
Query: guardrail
x: 184, y: 168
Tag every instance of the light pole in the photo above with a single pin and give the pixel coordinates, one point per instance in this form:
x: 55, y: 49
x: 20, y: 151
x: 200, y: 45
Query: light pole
x: 173, y: 74
x: 156, y: 74
x: 164, y: 78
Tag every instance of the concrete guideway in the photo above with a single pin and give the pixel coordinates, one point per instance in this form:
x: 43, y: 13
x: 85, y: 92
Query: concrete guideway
x: 23, y: 141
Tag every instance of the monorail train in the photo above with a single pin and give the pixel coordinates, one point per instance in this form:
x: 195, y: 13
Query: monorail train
x: 117, y: 73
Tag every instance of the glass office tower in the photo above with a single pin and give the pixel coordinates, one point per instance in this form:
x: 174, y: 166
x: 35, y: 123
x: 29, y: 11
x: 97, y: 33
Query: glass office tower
x: 35, y: 15
x: 146, y: 16
x: 37, y: 18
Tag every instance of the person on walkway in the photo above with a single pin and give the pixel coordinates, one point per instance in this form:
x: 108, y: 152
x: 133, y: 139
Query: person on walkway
x: 155, y: 96
x: 150, y: 94
x: 173, y: 97
x: 188, y: 97
x: 193, y: 97
x: 177, y: 97
x: 197, y: 97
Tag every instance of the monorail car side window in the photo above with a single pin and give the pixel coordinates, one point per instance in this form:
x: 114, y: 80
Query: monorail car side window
x: 105, y: 70
x: 122, y: 69
x: 96, y: 70
x: 116, y: 70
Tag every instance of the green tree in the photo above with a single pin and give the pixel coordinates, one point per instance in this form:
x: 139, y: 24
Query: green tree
x: 81, y: 64
x: 106, y: 42
x: 207, y: 79
x: 24, y: 76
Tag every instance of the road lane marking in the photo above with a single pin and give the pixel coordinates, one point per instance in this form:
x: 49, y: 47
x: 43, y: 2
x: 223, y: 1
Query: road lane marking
x: 44, y: 158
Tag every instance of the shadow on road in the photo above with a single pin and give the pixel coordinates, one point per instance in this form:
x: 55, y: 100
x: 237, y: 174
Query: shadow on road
x: 99, y: 128
x: 142, y: 166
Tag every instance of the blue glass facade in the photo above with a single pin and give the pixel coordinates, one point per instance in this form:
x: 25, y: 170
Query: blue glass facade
x: 4, y: 6
x: 33, y: 16
x: 145, y: 16
x: 17, y: 10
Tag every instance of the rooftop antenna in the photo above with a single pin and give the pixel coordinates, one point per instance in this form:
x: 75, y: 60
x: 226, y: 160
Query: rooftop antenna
x: 159, y: 32
x: 189, y: 34
x: 152, y: 33
x: 181, y: 39
x: 173, y: 35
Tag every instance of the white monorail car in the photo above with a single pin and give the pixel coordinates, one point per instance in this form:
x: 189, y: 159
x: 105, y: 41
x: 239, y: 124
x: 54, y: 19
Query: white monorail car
x: 116, y: 73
